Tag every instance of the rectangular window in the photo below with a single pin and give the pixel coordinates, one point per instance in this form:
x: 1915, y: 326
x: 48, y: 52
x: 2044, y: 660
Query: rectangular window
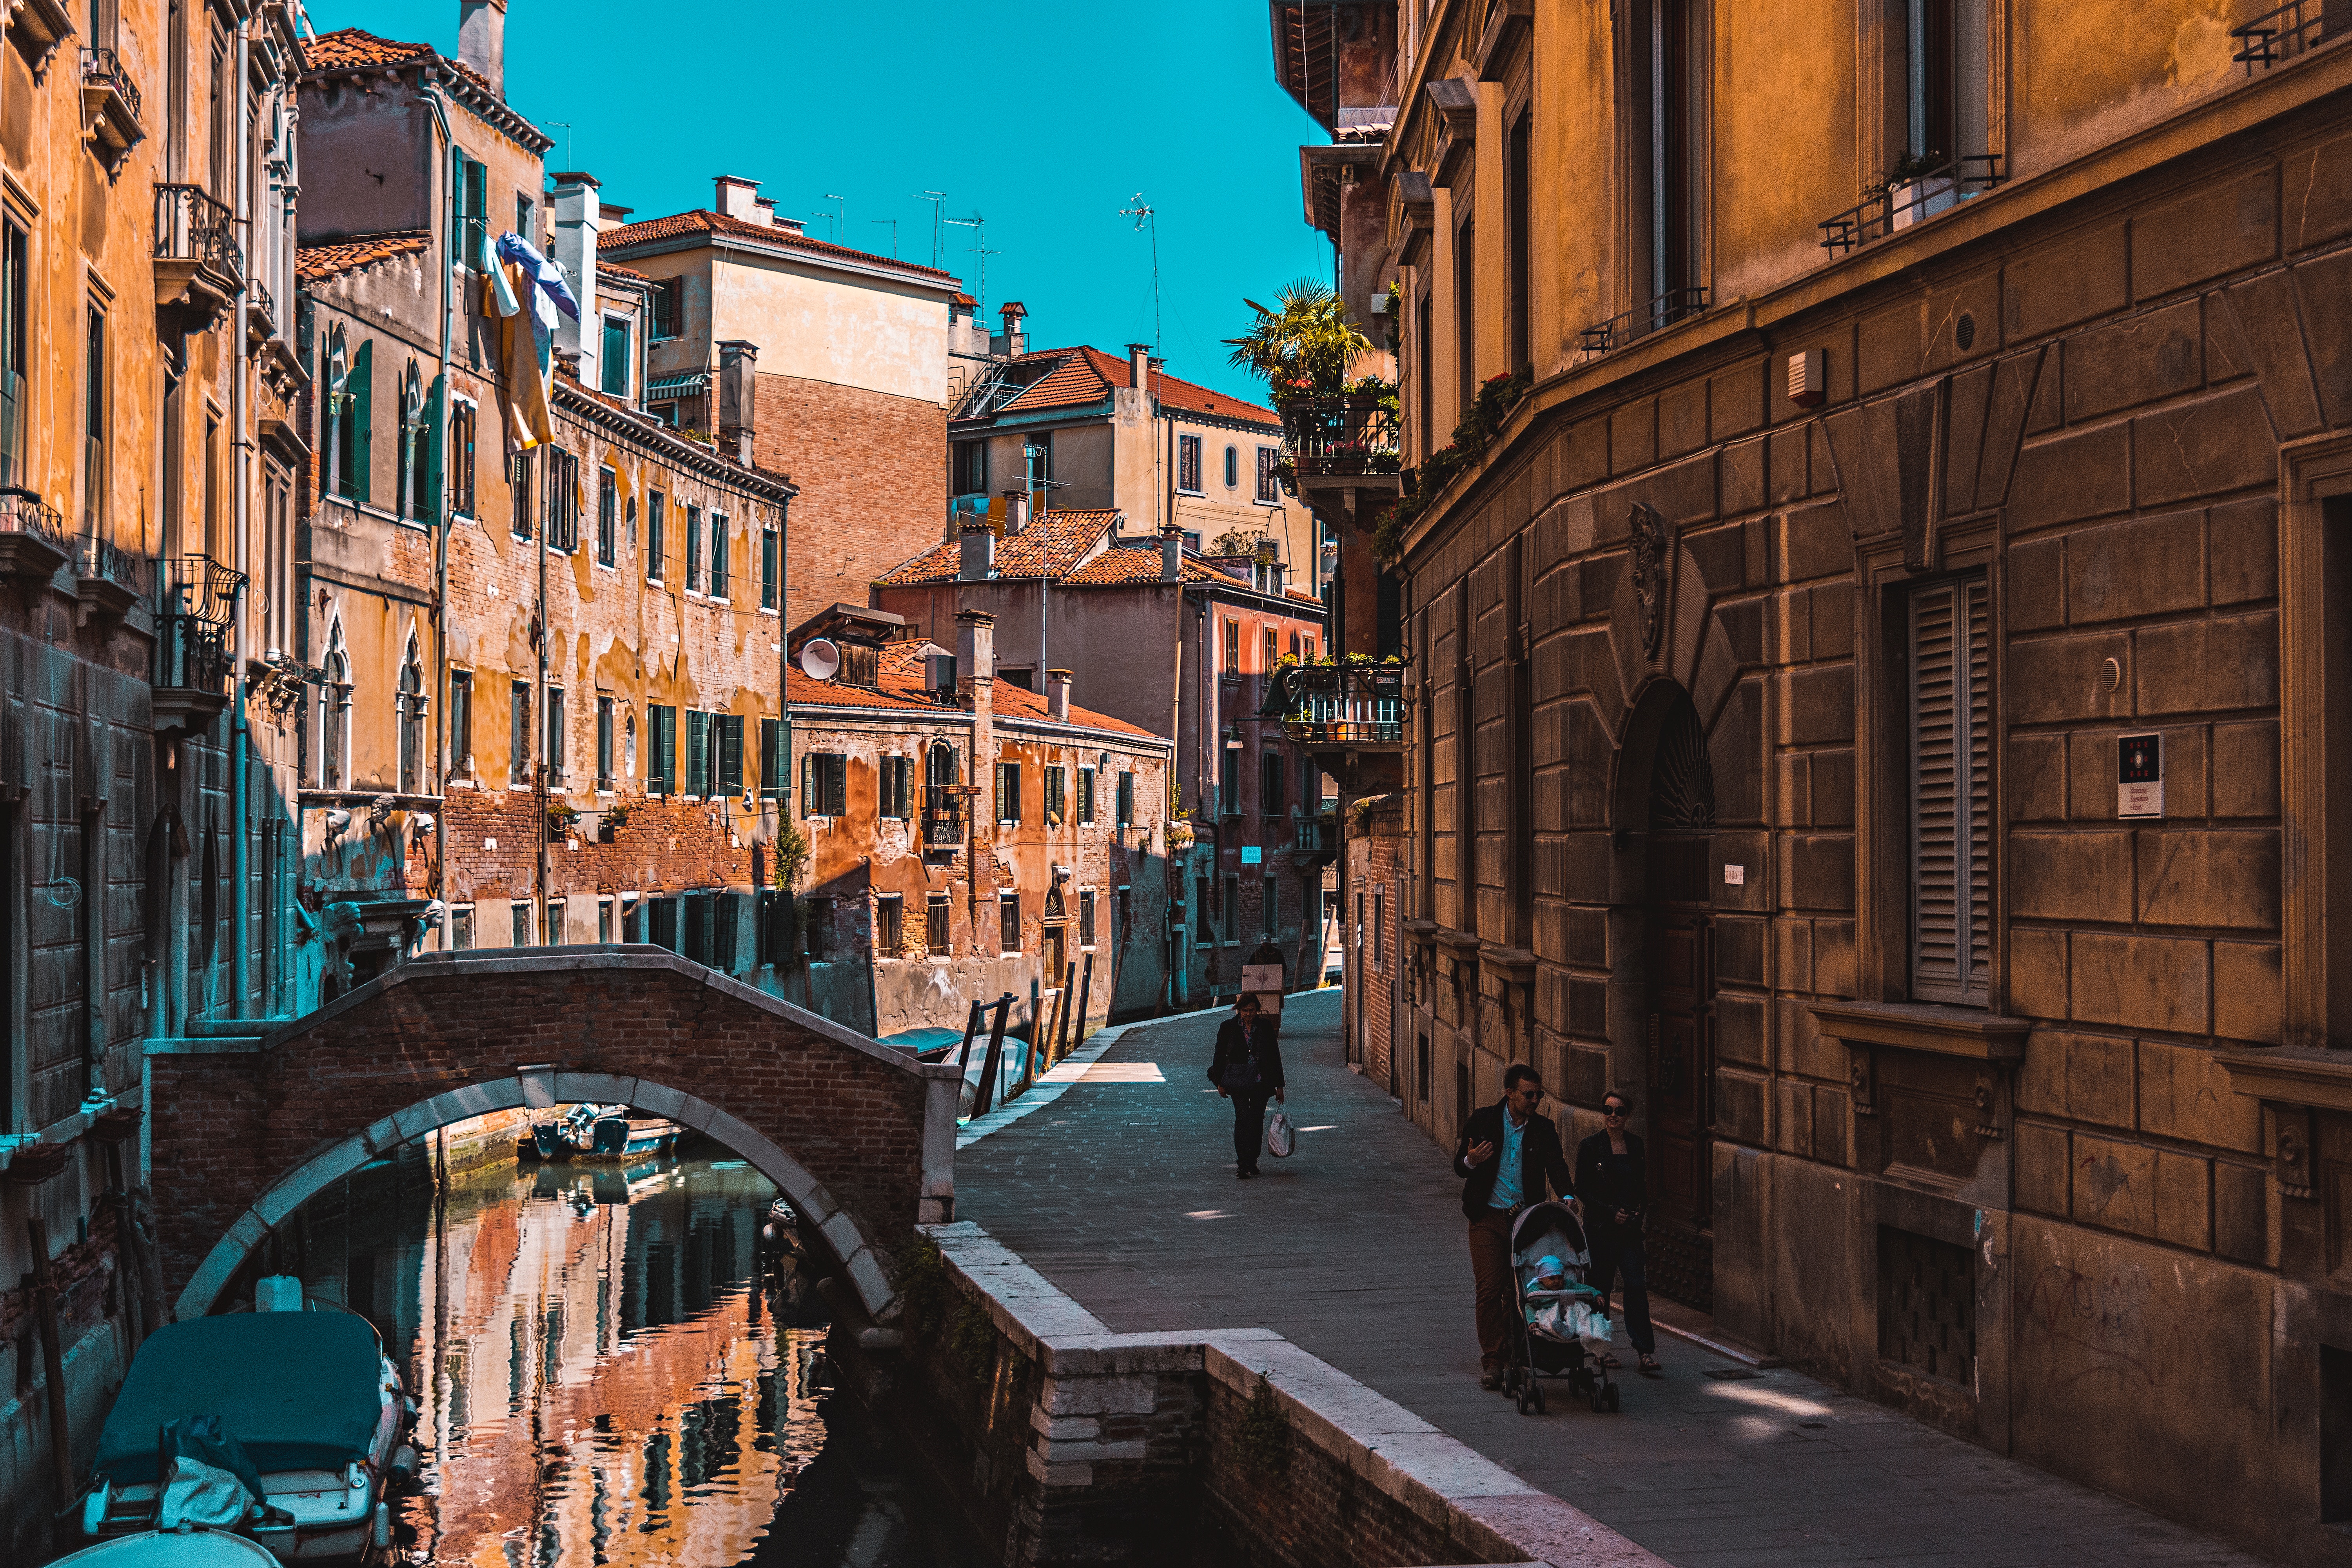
x: 694, y: 550
x: 1086, y: 795
x: 1466, y: 319
x: 471, y: 189
x: 1229, y: 782
x: 1514, y: 160
x: 1126, y: 800
x: 1380, y: 929
x: 668, y: 306
x: 562, y: 509
x: 15, y: 297
x: 1008, y: 923
x: 603, y: 743
x: 889, y: 925
x: 1188, y: 464
x: 554, y: 935
x: 461, y: 721
x: 463, y: 417
x: 656, y: 507
x: 1053, y: 802
x: 1666, y: 187
x: 726, y: 739
x: 1270, y: 906
x: 772, y: 759
x: 718, y: 555
x: 1233, y: 647
x: 604, y: 920
x: 698, y: 752
x: 1085, y: 916
x: 971, y: 469
x: 1269, y: 490
x: 726, y: 926
x: 1203, y: 908
x: 613, y: 368
x: 898, y: 788
x: 936, y: 913
x: 555, y: 735
x: 520, y: 913
x: 1272, y: 649
x: 1230, y: 913
x: 608, y: 518
x: 519, y: 736
x: 1008, y: 793
x: 771, y: 567
x: 661, y: 749
x: 461, y: 929
x: 1951, y: 791
x: 824, y: 784
x: 98, y: 469
x: 520, y: 482
x: 661, y: 923
x: 1272, y: 771
x: 820, y: 930
x: 694, y: 912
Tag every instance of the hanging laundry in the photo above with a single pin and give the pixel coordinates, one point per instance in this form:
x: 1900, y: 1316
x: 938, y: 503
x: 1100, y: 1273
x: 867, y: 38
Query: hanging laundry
x: 523, y: 354
x: 548, y: 276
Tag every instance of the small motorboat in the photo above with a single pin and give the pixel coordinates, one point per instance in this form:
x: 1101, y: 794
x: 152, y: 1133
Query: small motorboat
x: 171, y: 1549
x: 598, y: 1133
x: 309, y: 1396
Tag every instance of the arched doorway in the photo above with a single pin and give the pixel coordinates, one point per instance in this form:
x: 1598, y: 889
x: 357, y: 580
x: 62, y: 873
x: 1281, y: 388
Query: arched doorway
x: 1678, y: 1020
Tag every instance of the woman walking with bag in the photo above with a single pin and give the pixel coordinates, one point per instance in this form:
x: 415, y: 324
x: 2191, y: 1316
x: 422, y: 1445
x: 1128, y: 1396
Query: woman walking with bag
x: 1613, y: 1172
x: 1247, y: 1070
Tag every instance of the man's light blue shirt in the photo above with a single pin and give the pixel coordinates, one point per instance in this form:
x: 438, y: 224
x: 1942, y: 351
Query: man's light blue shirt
x: 1507, y: 1194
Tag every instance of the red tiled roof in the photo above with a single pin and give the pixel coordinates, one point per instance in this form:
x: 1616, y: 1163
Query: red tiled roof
x: 704, y: 221
x: 901, y: 690
x: 349, y: 48
x: 1134, y: 563
x: 1083, y: 376
x: 614, y: 269
x: 1054, y: 541
x: 312, y: 262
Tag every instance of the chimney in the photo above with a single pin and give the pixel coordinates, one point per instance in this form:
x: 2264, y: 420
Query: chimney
x: 1138, y: 365
x: 737, y: 367
x: 482, y: 42
x: 1016, y: 340
x: 1057, y: 695
x: 739, y: 198
x: 975, y: 661
x: 1172, y: 554
x: 578, y: 216
x: 1016, y: 511
x: 979, y: 562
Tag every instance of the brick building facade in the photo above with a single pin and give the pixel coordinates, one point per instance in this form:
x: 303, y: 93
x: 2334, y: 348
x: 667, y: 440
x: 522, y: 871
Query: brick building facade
x: 1775, y: 666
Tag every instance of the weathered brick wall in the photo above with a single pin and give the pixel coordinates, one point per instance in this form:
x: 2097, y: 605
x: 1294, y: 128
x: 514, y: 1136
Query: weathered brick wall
x: 1371, y: 934
x: 666, y: 845
x: 227, y: 1126
x: 872, y: 473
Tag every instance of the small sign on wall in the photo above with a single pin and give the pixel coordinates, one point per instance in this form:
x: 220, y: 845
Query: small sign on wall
x: 1735, y: 876
x: 1253, y: 855
x: 2139, y: 775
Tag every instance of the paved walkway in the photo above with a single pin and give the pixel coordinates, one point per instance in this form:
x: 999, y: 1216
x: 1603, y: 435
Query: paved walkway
x: 1121, y: 1191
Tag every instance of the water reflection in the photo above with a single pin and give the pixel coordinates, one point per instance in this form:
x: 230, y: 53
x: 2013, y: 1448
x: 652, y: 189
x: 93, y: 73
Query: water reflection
x: 603, y: 1373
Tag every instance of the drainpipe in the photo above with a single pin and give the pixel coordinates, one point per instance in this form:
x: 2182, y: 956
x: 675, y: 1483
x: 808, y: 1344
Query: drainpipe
x: 441, y: 547
x: 240, y: 410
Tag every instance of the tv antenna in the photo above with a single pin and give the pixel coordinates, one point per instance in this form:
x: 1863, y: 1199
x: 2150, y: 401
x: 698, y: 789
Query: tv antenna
x: 939, y: 202
x: 840, y: 216
x: 565, y: 127
x: 1148, y: 217
x: 979, y: 226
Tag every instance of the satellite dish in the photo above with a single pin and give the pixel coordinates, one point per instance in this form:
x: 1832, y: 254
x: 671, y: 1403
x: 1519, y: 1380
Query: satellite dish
x: 820, y: 661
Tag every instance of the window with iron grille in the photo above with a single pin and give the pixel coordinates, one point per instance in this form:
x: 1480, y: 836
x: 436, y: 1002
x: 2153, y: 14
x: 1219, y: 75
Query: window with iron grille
x: 1188, y: 464
x: 661, y: 749
x: 936, y: 911
x: 656, y: 515
x: 1085, y: 916
x: 1951, y: 727
x: 824, y: 784
x: 1926, y: 1305
x: 1008, y: 923
x: 889, y: 924
x: 1086, y: 795
x: 1008, y: 793
x: 1053, y: 802
x: 1268, y: 486
x: 563, y: 507
x: 608, y: 518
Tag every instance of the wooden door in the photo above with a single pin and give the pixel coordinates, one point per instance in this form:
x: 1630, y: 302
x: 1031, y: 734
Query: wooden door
x: 1681, y: 1060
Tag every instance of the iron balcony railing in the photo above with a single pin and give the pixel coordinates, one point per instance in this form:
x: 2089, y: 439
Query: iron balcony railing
x: 1354, y: 432
x: 1339, y: 704
x: 2282, y: 34
x: 103, y: 67
x: 943, y: 816
x: 191, y: 653
x: 1911, y: 201
x: 102, y: 558
x: 24, y: 511
x: 192, y: 226
x: 1674, y: 305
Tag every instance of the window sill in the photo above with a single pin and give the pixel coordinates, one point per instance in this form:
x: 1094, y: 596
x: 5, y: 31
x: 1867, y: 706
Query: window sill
x: 2292, y: 1075
x: 1933, y: 1029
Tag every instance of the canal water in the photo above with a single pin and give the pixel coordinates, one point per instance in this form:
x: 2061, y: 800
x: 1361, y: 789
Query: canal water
x: 615, y: 1366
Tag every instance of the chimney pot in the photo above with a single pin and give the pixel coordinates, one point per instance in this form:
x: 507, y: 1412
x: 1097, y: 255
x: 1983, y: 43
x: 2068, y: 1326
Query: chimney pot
x: 739, y: 198
x: 482, y: 40
x: 975, y: 659
x: 1016, y: 511
x: 1172, y: 554
x: 1057, y: 694
x: 1138, y: 365
x: 979, y: 562
x: 579, y: 214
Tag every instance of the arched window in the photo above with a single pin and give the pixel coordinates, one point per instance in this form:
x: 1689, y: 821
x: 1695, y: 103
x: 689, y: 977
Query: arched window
x: 416, y: 480
x: 1233, y: 466
x: 629, y: 746
x: 350, y: 380
x: 412, y: 722
x: 335, y: 717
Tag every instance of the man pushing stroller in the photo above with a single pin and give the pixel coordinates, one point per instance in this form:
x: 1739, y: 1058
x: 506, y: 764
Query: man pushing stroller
x: 1505, y: 1157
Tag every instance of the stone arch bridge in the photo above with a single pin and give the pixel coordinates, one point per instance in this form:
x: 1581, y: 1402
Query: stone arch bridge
x: 860, y: 1138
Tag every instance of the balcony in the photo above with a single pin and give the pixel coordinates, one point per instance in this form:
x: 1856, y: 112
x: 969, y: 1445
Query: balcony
x: 33, y: 540
x: 192, y: 653
x: 1340, y: 707
x: 107, y: 579
x: 1351, y: 436
x: 1655, y: 316
x: 944, y: 819
x: 109, y: 106
x: 1317, y: 843
x: 199, y: 263
x: 261, y: 313
x: 2282, y: 34
x: 1915, y: 200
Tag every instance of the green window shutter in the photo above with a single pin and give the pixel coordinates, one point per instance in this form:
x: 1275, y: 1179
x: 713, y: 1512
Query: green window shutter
x: 458, y: 206
x: 437, y: 450
x: 698, y: 753
x: 730, y: 753
x: 363, y: 384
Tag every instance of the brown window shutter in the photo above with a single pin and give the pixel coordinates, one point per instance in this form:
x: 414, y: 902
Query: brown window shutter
x: 1951, y: 793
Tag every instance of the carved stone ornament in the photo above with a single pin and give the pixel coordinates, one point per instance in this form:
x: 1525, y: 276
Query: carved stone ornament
x: 1864, y: 1102
x: 2296, y: 1179
x: 1654, y: 553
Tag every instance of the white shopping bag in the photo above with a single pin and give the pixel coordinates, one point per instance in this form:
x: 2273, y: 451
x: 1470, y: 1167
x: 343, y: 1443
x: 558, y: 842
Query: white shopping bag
x: 1281, y: 1138
x: 1262, y: 977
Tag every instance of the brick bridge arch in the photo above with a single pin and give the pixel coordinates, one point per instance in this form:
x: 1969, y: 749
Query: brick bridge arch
x: 859, y: 1138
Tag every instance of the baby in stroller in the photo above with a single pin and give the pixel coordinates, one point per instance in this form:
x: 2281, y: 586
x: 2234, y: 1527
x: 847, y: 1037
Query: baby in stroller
x: 1560, y: 1315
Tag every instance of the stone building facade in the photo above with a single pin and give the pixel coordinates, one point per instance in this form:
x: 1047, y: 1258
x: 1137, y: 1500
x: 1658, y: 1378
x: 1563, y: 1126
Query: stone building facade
x: 971, y: 839
x: 1783, y: 666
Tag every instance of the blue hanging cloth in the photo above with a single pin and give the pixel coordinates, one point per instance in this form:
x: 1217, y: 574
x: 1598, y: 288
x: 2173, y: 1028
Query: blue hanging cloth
x: 546, y: 275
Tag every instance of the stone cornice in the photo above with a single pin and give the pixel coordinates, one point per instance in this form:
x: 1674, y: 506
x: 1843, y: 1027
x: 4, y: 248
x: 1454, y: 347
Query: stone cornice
x: 2292, y: 1076
x: 1968, y: 1032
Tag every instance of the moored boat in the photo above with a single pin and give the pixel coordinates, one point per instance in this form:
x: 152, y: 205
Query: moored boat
x: 598, y: 1133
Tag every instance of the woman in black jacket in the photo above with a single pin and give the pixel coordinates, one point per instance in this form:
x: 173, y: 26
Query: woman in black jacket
x: 1247, y: 1069
x: 1613, y: 1177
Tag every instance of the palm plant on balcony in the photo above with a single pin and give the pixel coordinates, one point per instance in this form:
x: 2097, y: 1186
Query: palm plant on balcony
x: 1303, y: 347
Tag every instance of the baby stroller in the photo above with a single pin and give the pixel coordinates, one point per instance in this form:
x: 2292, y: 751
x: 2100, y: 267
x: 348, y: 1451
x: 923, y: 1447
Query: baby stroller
x: 1557, y: 1322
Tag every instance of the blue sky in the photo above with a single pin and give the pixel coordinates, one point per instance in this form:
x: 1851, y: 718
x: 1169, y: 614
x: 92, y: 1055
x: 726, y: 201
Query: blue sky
x: 1046, y: 117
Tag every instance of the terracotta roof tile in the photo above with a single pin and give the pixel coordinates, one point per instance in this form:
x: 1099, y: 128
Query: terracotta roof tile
x: 313, y: 262
x: 614, y: 269
x: 704, y: 221
x: 349, y: 49
x: 1084, y: 374
x: 1054, y: 541
x: 1139, y: 563
x: 901, y: 690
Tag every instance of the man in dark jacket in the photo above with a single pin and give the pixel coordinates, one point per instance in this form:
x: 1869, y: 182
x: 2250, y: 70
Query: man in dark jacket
x: 1246, y: 1069
x: 1505, y: 1155
x: 1612, y: 1174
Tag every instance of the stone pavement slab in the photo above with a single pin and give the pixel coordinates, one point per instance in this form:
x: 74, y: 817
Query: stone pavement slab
x: 1121, y: 1192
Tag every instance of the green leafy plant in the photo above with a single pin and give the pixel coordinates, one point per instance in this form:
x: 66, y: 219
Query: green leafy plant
x: 973, y: 1339
x: 1261, y: 1441
x: 1303, y: 346
x: 1908, y: 166
x: 1396, y: 316
x: 1234, y: 541
x: 924, y: 1286
x: 562, y: 816
x: 791, y: 854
